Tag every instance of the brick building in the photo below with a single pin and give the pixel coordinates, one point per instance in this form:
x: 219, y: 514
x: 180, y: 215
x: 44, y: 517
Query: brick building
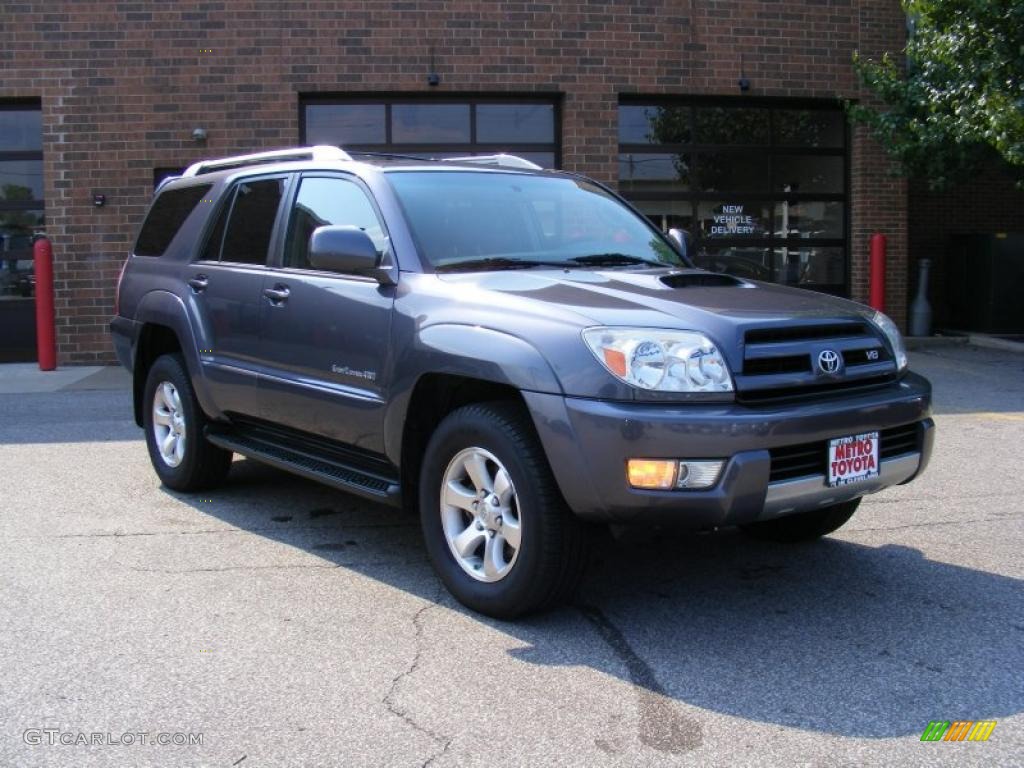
x: 721, y: 117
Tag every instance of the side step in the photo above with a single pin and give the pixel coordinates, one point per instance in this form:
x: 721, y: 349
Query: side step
x: 333, y: 473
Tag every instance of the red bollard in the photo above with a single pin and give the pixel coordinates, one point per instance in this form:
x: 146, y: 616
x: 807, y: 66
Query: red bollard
x: 876, y: 294
x: 46, y: 335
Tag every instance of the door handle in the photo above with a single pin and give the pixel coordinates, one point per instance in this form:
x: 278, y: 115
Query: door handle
x: 199, y: 283
x: 278, y: 294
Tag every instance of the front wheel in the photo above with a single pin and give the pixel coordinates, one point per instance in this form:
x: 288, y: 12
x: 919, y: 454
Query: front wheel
x: 173, y: 421
x: 804, y: 526
x: 495, y: 525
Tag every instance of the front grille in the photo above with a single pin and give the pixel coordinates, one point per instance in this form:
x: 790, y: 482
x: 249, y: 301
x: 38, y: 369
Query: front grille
x: 782, y: 361
x: 792, y: 461
x: 804, y: 333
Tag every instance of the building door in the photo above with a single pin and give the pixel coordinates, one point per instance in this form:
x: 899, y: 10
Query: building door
x: 21, y: 223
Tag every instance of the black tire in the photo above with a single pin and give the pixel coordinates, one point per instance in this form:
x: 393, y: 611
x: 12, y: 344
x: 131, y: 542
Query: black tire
x: 202, y: 465
x: 804, y: 526
x: 554, y: 543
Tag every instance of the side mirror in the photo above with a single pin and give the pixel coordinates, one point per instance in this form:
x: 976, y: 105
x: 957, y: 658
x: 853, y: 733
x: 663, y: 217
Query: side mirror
x: 682, y: 239
x: 345, y: 249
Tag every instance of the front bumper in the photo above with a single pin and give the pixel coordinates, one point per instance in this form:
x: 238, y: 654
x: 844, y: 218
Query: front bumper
x: 589, y: 441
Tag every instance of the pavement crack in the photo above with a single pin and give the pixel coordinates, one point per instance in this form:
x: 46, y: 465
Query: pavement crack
x: 390, y: 698
x: 661, y: 727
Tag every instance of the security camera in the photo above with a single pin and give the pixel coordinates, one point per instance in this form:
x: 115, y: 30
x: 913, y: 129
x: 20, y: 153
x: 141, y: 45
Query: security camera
x: 198, y: 134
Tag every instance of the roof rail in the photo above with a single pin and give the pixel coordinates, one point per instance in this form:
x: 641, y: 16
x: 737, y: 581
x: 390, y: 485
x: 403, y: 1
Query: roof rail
x: 503, y: 160
x: 319, y: 152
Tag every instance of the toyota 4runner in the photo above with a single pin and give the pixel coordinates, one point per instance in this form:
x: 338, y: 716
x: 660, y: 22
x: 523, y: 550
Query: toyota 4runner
x: 518, y: 353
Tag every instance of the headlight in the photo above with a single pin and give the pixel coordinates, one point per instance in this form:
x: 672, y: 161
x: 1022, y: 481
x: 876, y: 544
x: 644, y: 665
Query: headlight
x: 892, y: 333
x: 663, y: 361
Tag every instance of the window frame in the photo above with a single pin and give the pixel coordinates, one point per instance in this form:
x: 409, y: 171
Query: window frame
x: 770, y: 197
x: 227, y: 201
x: 426, y: 148
x: 387, y: 261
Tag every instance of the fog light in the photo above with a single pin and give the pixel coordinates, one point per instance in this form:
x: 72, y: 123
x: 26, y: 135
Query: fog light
x: 698, y: 474
x: 652, y: 474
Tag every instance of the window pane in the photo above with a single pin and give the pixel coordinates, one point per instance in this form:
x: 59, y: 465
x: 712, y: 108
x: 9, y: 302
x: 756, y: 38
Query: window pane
x: 420, y: 123
x: 733, y: 218
x: 345, y: 124
x: 809, y: 127
x: 731, y: 125
x: 815, y: 266
x: 727, y: 171
x: 667, y: 214
x: 166, y: 217
x: 523, y: 123
x: 809, y: 173
x: 654, y: 124
x: 809, y: 218
x: 18, y: 231
x: 661, y: 172
x: 21, y: 179
x: 752, y: 263
x: 20, y: 130
x: 211, y: 251
x: 252, y: 220
x: 329, y: 201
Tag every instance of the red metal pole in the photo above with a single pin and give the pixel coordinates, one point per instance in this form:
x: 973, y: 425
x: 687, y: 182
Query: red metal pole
x: 46, y: 335
x: 876, y: 295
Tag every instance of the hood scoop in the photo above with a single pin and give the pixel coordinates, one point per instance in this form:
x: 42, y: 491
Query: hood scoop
x: 702, y: 280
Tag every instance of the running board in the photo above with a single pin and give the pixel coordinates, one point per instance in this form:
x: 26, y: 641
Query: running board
x: 332, y: 473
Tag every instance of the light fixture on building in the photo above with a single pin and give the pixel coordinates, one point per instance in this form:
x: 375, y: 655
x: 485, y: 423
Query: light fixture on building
x: 743, y: 82
x: 433, y: 78
x: 198, y: 134
x: 99, y: 199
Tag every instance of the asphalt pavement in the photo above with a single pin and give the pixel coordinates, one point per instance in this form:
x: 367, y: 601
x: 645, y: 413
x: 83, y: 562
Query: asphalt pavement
x: 282, y: 623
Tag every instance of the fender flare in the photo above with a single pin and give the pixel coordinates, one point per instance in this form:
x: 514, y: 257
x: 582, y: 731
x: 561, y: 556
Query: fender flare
x: 468, y: 351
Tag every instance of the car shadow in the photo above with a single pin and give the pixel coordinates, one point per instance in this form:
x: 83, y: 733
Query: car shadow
x: 834, y: 637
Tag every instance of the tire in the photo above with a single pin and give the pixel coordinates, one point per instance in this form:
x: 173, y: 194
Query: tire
x: 192, y: 463
x: 804, y: 526
x: 523, y: 554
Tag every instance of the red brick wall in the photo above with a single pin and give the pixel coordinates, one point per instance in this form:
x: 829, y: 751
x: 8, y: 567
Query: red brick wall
x: 123, y: 84
x: 988, y: 203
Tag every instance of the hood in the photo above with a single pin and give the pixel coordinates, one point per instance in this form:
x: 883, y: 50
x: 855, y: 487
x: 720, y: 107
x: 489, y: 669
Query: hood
x: 665, y: 298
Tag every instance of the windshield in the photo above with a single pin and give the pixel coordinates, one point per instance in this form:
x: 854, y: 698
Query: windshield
x: 469, y: 220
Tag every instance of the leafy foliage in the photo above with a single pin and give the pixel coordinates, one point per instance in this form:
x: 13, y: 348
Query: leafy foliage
x: 961, y: 99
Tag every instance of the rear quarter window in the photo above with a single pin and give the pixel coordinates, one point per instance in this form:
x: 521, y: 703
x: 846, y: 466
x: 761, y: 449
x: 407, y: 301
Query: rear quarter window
x: 165, y: 218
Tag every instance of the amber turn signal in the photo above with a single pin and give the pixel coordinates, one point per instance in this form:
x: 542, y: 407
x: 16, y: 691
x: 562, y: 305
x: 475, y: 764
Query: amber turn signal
x: 652, y: 474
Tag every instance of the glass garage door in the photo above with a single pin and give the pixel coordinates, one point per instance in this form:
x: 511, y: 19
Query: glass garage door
x: 436, y: 127
x: 761, y: 186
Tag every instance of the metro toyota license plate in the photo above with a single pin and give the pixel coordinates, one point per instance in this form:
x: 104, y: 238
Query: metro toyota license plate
x: 852, y: 459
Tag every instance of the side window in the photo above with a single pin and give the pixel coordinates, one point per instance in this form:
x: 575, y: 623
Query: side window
x: 211, y: 251
x: 247, y: 238
x: 166, y: 217
x: 323, y: 201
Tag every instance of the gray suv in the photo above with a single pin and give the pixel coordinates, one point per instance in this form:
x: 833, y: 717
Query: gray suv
x: 517, y: 353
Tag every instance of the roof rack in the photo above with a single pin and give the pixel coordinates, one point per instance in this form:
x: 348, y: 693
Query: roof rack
x: 503, y: 160
x: 319, y: 152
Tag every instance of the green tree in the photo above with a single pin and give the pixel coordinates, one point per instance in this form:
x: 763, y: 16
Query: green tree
x: 961, y: 98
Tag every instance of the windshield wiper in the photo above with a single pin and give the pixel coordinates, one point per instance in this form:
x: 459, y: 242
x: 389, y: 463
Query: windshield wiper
x: 498, y: 262
x: 612, y: 260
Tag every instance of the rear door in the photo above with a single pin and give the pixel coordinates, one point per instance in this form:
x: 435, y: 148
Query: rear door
x: 323, y: 335
x: 226, y: 284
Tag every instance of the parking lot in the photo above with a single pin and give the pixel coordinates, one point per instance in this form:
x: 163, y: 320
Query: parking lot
x: 289, y: 624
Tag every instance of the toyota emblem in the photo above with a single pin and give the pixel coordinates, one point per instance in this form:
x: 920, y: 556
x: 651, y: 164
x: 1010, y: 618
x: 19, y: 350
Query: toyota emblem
x: 828, y: 361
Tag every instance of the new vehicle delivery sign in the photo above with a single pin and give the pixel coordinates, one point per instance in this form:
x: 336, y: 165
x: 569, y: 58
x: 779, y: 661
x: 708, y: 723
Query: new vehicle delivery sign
x: 853, y: 459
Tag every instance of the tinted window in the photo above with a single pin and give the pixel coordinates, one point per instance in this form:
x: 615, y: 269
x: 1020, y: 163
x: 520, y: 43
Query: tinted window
x: 21, y: 129
x: 654, y: 124
x: 809, y: 127
x: 329, y: 201
x: 21, y: 179
x: 247, y: 239
x: 211, y: 252
x: 731, y: 125
x: 345, y: 124
x: 166, y: 217
x: 418, y: 123
x: 522, y: 123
